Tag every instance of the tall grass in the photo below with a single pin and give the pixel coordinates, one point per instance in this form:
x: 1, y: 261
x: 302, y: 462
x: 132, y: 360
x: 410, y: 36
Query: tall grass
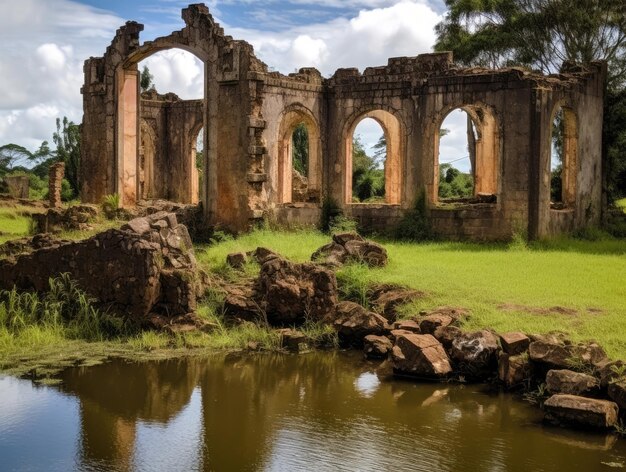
x: 65, y: 310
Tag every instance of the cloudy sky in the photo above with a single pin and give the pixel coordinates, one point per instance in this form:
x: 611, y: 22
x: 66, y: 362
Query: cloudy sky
x: 44, y: 44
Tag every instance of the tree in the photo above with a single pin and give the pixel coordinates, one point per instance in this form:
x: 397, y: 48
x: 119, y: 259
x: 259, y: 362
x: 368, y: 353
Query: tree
x: 368, y: 180
x: 380, y: 153
x: 300, y: 149
x: 11, y: 155
x: 541, y: 34
x: 146, y: 79
x: 67, y: 140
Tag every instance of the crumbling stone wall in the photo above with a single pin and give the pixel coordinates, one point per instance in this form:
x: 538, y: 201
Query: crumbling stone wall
x: 249, y: 114
x: 169, y: 129
x: 18, y: 185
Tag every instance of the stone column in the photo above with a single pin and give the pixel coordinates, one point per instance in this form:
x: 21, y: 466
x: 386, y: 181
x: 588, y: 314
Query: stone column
x: 57, y: 171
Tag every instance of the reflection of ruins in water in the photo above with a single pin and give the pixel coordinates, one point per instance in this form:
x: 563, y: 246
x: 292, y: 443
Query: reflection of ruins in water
x: 287, y: 412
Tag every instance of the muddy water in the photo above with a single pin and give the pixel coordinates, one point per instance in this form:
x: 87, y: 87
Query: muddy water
x: 313, y: 412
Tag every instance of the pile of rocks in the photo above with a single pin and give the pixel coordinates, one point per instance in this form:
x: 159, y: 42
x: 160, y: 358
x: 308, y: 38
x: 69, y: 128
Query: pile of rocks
x: 145, y: 271
x: 75, y: 217
x: 350, y: 247
x: 585, y: 388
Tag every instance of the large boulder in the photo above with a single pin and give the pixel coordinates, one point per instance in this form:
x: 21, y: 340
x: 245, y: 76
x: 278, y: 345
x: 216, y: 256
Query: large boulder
x: 291, y: 292
x: 475, y: 353
x: 147, y: 266
x: 419, y: 355
x: 580, y: 411
x: 573, y: 383
x: 353, y: 323
x: 430, y: 323
x: 350, y: 247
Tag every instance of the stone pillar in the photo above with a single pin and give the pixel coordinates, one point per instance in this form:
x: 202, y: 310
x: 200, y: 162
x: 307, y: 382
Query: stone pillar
x: 57, y: 171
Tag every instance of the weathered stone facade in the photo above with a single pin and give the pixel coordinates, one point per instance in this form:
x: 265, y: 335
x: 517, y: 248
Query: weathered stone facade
x: 249, y: 115
x: 55, y: 184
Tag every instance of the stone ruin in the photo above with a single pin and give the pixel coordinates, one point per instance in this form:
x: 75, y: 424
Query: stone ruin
x: 143, y: 146
x: 55, y: 184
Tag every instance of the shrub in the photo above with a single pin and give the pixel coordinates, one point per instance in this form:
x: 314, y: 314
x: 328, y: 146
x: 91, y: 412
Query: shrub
x: 110, y: 205
x: 415, y: 225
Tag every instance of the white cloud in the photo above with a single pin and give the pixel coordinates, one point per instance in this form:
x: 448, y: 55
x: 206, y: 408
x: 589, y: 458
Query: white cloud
x: 405, y: 28
x: 44, y: 45
x: 177, y: 71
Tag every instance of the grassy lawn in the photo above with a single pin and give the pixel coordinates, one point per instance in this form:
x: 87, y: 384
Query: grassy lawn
x: 586, y: 279
x: 14, y: 222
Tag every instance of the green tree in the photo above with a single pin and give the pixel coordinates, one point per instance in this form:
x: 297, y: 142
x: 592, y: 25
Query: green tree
x: 12, y: 155
x: 146, y: 79
x: 300, y: 149
x: 541, y: 34
x: 67, y: 140
x: 368, y: 180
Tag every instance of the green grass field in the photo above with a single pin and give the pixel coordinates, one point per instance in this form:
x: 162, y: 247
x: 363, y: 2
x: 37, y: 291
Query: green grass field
x: 569, y: 285
x: 584, y: 278
x: 14, y: 222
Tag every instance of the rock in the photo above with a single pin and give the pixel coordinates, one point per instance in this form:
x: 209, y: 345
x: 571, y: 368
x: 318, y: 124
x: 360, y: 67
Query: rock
x: 138, y: 225
x: 570, y: 382
x: 514, y: 343
x: 353, y: 323
x: 420, y: 355
x: 376, y: 347
x: 617, y: 392
x: 475, y: 353
x: 241, y: 303
x: 609, y: 371
x: 262, y: 254
x: 513, y: 371
x: 429, y: 324
x: 386, y: 298
x: 446, y: 335
x: 408, y: 325
x: 293, y: 292
x: 132, y: 274
x: 350, y: 247
x: 236, y: 260
x: 292, y: 340
x: 395, y: 333
x: 561, y: 355
x: 456, y: 313
x: 551, y: 354
x: 581, y: 411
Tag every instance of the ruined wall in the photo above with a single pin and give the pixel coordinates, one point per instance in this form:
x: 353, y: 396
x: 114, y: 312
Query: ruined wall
x: 249, y: 115
x: 169, y: 130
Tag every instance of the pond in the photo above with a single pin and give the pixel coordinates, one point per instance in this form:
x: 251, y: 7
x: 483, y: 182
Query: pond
x: 323, y: 411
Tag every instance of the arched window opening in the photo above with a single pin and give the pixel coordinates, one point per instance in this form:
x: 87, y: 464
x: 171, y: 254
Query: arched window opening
x: 466, y: 157
x: 563, y: 159
x: 299, y: 159
x: 170, y: 108
x: 300, y: 163
x: 457, y: 157
x: 198, y: 158
x: 369, y: 153
x: 373, y: 159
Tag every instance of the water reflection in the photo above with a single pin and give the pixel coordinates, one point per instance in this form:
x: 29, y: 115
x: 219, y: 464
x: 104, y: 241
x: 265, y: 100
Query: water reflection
x: 320, y: 411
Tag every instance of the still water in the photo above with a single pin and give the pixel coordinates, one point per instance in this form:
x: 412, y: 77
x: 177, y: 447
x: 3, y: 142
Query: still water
x: 312, y: 412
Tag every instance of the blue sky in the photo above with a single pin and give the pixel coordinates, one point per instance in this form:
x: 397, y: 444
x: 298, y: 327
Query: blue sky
x: 41, y: 72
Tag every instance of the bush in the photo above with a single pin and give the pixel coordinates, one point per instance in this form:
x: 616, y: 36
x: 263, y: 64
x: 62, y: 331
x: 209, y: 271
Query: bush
x: 415, y: 225
x: 67, y: 192
x: 110, y: 205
